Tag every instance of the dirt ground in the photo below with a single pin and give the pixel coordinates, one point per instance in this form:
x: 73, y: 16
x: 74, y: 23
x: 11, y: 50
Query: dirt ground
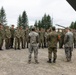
x: 14, y: 62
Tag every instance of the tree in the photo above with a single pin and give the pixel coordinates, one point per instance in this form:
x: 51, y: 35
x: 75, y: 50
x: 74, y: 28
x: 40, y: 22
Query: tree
x: 36, y: 24
x: 39, y: 24
x: 45, y: 22
x: 3, y: 17
x: 19, y: 23
x: 24, y: 20
x: 73, y: 25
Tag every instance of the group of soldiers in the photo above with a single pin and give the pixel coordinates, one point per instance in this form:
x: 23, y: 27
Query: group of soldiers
x: 18, y: 38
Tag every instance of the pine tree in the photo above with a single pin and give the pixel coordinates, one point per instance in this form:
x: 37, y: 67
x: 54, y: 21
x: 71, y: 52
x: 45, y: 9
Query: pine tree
x: 3, y: 17
x: 24, y: 20
x: 72, y: 25
x: 36, y: 24
x: 39, y: 24
x: 19, y: 23
x: 45, y: 22
x: 75, y: 25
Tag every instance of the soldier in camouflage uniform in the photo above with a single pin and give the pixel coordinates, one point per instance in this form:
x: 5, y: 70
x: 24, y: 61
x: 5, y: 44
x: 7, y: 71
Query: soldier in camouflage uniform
x: 41, y: 38
x: 61, y: 41
x: 17, y: 38
x: 26, y: 32
x: 7, y: 37
x: 68, y: 44
x: 52, y: 39
x: 1, y: 36
x: 12, y: 36
x: 22, y: 37
x: 74, y: 38
x: 33, y: 45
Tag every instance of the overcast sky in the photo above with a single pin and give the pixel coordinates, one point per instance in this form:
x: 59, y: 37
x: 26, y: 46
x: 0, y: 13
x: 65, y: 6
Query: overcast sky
x: 60, y: 10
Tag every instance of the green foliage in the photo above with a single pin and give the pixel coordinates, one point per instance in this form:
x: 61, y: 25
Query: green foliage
x: 36, y: 24
x: 19, y: 21
x: 23, y: 20
x: 73, y: 25
x: 45, y: 22
x: 3, y: 17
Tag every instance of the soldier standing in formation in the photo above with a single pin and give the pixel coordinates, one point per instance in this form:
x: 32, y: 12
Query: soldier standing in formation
x: 74, y: 38
x: 1, y: 36
x: 17, y: 38
x: 41, y: 38
x: 7, y: 37
x: 68, y: 44
x: 22, y: 37
x: 52, y: 39
x: 26, y: 37
x: 33, y: 45
x: 12, y: 36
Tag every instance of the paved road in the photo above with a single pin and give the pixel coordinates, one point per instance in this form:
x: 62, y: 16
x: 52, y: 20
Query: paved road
x: 14, y: 62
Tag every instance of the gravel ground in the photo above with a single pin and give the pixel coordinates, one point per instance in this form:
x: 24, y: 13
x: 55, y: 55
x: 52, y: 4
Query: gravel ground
x: 15, y: 62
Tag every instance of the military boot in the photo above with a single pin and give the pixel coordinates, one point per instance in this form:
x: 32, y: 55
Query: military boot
x: 54, y: 60
x: 49, y: 61
x: 36, y: 62
x: 29, y: 61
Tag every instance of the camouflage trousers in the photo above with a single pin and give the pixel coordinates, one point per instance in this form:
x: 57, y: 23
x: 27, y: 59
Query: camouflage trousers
x: 1, y: 43
x: 7, y: 43
x: 68, y: 53
x: 74, y: 43
x: 17, y: 43
x: 41, y: 42
x: 52, y: 50
x: 33, y: 47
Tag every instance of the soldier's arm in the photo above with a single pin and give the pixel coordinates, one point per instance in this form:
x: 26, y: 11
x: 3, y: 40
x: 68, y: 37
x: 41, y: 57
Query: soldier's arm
x: 66, y: 38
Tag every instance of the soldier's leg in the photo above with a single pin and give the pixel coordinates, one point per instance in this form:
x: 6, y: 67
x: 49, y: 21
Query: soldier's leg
x: 67, y: 53
x: 35, y: 53
x: 49, y: 55
x: 1, y: 44
x: 19, y: 43
x: 30, y: 53
x: 39, y: 42
x: 9, y: 42
x: 70, y: 53
x: 42, y: 43
x: 15, y: 45
x: 6, y: 43
x: 74, y: 43
x: 54, y: 54
x: 22, y: 43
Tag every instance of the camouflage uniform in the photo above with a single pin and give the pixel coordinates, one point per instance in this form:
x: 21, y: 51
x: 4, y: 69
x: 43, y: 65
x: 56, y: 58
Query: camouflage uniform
x: 33, y: 45
x: 68, y: 44
x: 12, y: 37
x: 41, y: 38
x: 22, y: 37
x: 1, y: 36
x: 61, y: 40
x: 52, y: 39
x: 7, y: 37
x: 26, y: 32
x: 17, y: 38
x: 74, y: 39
